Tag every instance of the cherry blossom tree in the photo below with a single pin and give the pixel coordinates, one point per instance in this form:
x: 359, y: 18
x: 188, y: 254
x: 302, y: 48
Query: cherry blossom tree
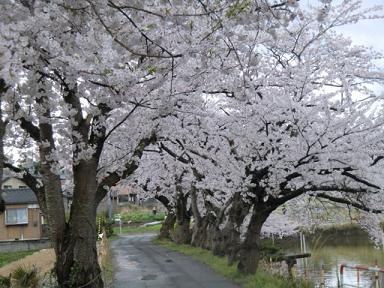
x: 298, y: 116
x: 256, y: 103
x: 88, y: 81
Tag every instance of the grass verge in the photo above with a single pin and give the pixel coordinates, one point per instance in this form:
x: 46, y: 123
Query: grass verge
x: 107, y: 268
x: 136, y: 229
x: 139, y: 216
x: 262, y: 279
x: 8, y: 257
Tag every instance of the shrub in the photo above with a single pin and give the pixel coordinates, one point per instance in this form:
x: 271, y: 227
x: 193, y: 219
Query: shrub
x: 24, y: 277
x: 104, y: 224
x: 5, y: 282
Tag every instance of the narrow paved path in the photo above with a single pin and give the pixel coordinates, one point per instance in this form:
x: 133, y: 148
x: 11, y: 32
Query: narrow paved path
x: 139, y: 264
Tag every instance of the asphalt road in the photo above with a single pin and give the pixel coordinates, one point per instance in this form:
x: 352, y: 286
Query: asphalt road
x: 139, y: 264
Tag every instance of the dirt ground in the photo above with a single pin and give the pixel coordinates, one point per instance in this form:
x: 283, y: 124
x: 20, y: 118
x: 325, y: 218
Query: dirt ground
x: 43, y: 260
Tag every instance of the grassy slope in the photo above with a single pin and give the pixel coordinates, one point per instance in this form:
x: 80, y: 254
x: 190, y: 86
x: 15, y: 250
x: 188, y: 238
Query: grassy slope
x: 219, y: 265
x: 143, y: 215
x: 8, y: 257
x: 136, y: 229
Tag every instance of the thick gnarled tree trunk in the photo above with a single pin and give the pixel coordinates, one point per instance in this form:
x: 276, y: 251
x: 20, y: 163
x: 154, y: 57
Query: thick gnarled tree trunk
x: 79, y: 257
x: 3, y: 124
x: 202, y: 232
x: 203, y: 225
x: 249, y: 250
x: 168, y: 225
x: 182, y: 231
x: 226, y: 241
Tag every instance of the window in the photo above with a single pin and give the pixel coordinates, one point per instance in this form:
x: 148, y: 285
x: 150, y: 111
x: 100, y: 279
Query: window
x: 7, y: 187
x: 16, y: 216
x: 22, y: 187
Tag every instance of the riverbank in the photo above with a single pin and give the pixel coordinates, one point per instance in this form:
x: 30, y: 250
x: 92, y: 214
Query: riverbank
x: 220, y: 266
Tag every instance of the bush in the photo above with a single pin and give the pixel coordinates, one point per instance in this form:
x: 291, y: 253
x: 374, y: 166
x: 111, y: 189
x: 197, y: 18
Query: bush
x: 104, y: 224
x: 25, y: 277
x: 270, y: 250
x: 5, y: 282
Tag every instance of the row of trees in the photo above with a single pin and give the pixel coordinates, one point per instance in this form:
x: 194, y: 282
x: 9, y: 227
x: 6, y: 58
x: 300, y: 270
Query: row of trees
x: 228, y: 109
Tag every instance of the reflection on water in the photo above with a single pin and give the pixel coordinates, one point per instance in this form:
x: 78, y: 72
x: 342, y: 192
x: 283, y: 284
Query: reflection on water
x: 331, y: 249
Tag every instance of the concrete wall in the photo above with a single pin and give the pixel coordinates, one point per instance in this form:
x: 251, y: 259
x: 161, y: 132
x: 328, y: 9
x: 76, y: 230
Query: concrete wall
x: 32, y: 230
x: 24, y: 245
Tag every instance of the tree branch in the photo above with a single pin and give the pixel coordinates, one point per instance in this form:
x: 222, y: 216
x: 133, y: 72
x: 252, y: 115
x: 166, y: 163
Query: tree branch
x: 32, y: 183
x: 348, y: 202
x: 32, y: 130
x: 130, y: 167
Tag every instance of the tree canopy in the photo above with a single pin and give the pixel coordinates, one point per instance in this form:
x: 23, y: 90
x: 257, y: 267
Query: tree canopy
x: 235, y: 106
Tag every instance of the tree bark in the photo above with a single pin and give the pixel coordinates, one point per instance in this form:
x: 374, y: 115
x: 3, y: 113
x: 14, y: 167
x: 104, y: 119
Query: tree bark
x: 182, y: 232
x: 168, y: 225
x: 77, y: 263
x: 249, y: 252
x: 226, y: 241
x: 202, y: 232
x: 3, y: 124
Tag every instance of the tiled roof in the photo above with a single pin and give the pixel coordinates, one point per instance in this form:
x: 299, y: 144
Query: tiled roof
x: 19, y: 196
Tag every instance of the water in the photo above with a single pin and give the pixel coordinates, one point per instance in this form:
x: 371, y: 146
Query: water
x: 331, y: 249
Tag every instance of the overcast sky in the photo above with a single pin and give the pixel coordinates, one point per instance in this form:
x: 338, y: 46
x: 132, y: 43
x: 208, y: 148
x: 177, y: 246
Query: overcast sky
x: 367, y: 32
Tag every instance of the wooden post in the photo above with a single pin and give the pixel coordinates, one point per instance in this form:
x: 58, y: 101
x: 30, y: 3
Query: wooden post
x: 305, y: 259
x: 322, y: 280
x: 341, y: 275
x: 376, y: 276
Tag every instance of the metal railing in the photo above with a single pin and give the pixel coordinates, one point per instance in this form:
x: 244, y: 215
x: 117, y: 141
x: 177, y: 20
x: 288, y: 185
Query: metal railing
x: 359, y: 268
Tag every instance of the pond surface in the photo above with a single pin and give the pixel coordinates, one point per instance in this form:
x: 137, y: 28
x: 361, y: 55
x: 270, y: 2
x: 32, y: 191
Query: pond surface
x: 332, y: 248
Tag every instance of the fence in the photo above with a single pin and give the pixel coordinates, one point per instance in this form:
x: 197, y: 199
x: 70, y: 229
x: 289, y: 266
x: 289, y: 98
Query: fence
x: 373, y: 269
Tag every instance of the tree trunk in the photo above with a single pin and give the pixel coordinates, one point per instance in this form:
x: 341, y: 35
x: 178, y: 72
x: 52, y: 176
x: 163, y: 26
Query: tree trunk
x: 227, y: 240
x: 77, y: 262
x: 3, y: 89
x: 182, y: 232
x: 202, y: 232
x: 199, y: 229
x: 249, y: 252
x: 167, y: 227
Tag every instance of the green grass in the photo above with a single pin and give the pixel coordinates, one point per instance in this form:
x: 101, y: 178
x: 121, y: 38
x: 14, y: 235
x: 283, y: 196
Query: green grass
x: 136, y: 229
x: 141, y: 216
x: 220, y: 265
x: 8, y: 257
x: 107, y: 269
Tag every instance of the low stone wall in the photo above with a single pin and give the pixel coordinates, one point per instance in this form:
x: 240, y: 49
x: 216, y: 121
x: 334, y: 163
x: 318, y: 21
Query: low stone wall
x: 24, y: 245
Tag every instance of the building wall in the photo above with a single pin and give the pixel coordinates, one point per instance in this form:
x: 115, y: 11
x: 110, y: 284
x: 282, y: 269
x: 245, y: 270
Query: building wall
x: 14, y: 183
x: 32, y: 230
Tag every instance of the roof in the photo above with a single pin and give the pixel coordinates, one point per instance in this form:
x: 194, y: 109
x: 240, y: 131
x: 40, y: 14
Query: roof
x: 124, y: 190
x: 19, y: 196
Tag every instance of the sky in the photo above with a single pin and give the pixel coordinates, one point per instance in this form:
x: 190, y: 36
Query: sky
x: 367, y: 32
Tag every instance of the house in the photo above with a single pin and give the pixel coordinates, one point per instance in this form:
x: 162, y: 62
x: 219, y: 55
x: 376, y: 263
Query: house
x: 13, y: 183
x: 124, y: 194
x: 20, y: 215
